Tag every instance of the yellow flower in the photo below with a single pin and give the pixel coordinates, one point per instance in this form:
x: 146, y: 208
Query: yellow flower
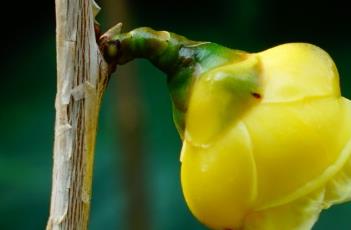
x: 266, y: 136
x: 267, y: 141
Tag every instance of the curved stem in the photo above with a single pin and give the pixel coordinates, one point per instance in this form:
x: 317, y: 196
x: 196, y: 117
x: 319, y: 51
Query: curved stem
x: 168, y: 51
x: 180, y: 58
x: 162, y: 48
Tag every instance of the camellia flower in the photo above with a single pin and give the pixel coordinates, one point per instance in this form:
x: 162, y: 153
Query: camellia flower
x: 266, y: 136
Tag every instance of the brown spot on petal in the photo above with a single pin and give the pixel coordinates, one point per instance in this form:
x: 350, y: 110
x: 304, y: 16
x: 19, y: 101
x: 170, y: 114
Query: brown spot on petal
x: 256, y: 95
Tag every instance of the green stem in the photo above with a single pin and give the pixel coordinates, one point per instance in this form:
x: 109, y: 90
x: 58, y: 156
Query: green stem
x: 160, y: 47
x: 168, y: 51
x: 178, y: 57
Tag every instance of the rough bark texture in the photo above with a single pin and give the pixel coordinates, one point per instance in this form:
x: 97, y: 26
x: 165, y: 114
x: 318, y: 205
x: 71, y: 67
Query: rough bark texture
x: 82, y: 76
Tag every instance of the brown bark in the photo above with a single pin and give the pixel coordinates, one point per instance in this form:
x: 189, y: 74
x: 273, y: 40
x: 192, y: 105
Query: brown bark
x: 82, y: 76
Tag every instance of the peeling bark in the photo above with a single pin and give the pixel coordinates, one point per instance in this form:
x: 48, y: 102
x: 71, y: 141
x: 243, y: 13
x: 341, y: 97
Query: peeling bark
x: 82, y: 76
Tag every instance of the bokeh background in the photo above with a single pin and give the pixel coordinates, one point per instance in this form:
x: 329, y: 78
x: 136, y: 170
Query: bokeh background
x: 136, y: 176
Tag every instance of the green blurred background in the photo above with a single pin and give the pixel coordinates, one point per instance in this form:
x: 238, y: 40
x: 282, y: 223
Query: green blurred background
x: 136, y: 176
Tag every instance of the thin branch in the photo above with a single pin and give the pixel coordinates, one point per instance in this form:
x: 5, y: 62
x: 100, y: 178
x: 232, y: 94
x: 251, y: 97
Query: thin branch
x: 82, y: 76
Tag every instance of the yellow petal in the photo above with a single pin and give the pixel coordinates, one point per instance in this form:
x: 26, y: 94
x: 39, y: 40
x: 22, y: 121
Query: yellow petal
x: 298, y: 215
x: 338, y: 188
x: 219, y: 182
x: 219, y: 97
x: 296, y: 71
x: 302, y: 213
x: 294, y: 144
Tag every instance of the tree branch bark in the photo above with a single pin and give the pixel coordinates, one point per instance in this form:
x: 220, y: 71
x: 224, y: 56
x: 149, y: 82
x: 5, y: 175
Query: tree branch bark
x: 82, y: 76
